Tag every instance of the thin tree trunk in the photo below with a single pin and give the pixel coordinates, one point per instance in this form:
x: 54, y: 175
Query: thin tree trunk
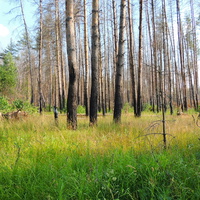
x: 140, y: 64
x: 29, y: 51
x: 120, y: 65
x: 40, y: 59
x: 176, y: 73
x: 131, y: 62
x: 86, y: 103
x: 115, y: 34
x: 155, y: 57
x: 151, y: 75
x: 194, y: 34
x: 58, y: 54
x: 94, y: 63
x: 181, y: 54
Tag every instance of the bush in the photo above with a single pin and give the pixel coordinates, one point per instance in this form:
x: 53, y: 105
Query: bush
x: 4, y: 104
x: 29, y: 108
x: 127, y: 108
x: 80, y: 109
x: 18, y: 104
x: 146, y: 107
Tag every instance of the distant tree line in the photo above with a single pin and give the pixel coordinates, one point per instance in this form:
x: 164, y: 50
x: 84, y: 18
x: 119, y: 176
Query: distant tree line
x: 102, y: 54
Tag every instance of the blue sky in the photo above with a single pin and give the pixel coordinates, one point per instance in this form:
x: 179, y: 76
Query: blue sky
x: 9, y: 27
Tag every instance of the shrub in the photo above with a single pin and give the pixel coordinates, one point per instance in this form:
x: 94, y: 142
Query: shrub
x: 29, y: 108
x: 127, y: 108
x: 18, y: 104
x: 80, y: 109
x: 146, y: 107
x: 4, y: 104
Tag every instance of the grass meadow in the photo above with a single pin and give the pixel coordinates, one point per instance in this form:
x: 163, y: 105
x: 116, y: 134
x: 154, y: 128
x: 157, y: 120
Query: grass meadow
x: 40, y: 160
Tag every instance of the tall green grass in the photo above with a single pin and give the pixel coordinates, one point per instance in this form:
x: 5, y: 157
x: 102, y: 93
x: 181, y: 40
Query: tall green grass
x: 43, y: 160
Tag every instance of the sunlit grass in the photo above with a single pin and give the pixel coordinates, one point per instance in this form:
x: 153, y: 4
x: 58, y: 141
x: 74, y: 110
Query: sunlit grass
x: 44, y: 160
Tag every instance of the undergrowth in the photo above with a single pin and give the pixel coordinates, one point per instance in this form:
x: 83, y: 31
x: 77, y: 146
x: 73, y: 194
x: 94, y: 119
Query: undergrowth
x: 43, y: 160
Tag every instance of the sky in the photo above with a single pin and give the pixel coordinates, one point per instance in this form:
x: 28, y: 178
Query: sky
x: 11, y: 28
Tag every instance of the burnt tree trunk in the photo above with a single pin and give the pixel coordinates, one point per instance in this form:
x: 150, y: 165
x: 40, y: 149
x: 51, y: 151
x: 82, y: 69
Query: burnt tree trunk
x: 73, y: 69
x: 94, y: 63
x: 120, y: 65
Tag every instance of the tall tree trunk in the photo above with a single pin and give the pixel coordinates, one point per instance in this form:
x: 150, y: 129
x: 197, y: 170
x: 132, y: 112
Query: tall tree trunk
x: 101, y: 82
x: 40, y: 59
x: 73, y: 69
x: 155, y: 57
x: 192, y: 94
x: 151, y: 74
x: 94, y: 63
x: 194, y: 42
x: 181, y: 54
x: 86, y: 103
x: 58, y: 55
x: 115, y: 52
x: 120, y: 65
x: 49, y: 56
x: 29, y: 51
x: 131, y: 58
x: 176, y: 73
x: 63, y: 71
x: 140, y: 64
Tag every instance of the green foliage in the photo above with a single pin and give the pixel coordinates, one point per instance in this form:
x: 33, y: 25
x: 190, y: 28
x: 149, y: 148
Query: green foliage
x: 146, y: 107
x: 8, y: 74
x: 127, y: 108
x: 198, y: 110
x: 12, y: 48
x: 19, y: 104
x: 29, y: 108
x: 4, y: 104
x: 80, y: 109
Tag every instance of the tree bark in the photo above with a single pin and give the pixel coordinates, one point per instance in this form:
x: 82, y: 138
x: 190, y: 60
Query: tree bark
x: 120, y: 65
x: 94, y: 63
x: 40, y: 59
x: 181, y: 54
x: 131, y: 62
x: 86, y: 103
x: 58, y: 55
x: 29, y: 51
x: 140, y: 64
x: 73, y: 69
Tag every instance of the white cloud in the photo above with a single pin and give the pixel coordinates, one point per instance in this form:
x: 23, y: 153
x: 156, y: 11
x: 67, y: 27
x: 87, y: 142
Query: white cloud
x: 3, y: 31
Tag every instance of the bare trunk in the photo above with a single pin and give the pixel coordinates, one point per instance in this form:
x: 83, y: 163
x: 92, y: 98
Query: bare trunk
x: 29, y: 51
x: 140, y: 64
x: 132, y: 70
x: 115, y: 33
x: 40, y: 60
x: 58, y: 54
x: 181, y: 54
x: 86, y: 103
x: 73, y: 69
x: 120, y: 65
x: 155, y: 58
x: 194, y: 38
x: 94, y: 63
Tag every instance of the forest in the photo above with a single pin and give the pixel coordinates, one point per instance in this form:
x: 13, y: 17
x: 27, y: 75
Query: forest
x: 100, y: 100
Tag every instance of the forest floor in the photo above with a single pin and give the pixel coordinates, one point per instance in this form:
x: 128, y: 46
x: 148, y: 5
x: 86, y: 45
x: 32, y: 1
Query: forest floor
x: 44, y: 160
